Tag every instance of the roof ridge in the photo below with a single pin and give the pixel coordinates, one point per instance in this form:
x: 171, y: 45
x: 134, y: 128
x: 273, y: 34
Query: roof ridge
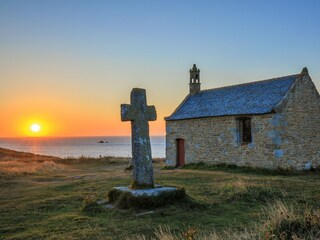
x: 249, y: 83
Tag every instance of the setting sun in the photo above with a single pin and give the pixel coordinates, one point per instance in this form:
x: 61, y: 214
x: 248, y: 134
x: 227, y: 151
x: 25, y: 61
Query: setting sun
x: 35, y: 127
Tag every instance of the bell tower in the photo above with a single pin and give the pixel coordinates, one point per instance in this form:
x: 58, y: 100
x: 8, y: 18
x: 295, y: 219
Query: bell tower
x: 194, y: 80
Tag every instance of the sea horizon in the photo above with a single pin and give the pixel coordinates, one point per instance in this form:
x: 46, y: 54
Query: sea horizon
x: 81, y: 146
x: 75, y: 136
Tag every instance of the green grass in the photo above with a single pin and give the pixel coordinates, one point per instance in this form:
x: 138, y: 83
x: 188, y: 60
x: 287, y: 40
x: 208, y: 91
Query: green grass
x: 52, y: 205
x: 242, y: 169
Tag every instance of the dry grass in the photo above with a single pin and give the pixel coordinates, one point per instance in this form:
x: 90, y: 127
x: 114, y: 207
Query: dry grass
x: 29, y: 167
x: 16, y: 163
x: 290, y: 221
x: 163, y: 233
x: 278, y: 221
x: 91, y: 160
x: 9, y: 155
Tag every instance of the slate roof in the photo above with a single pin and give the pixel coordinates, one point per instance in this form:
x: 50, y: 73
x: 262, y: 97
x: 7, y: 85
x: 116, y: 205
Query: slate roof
x: 249, y: 98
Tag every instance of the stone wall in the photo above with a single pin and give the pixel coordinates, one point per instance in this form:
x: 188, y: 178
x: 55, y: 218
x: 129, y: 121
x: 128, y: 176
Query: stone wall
x: 297, y: 124
x: 289, y: 138
x: 215, y: 140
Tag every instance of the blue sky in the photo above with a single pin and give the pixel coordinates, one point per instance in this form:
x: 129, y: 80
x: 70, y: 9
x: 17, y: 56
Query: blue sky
x: 91, y: 53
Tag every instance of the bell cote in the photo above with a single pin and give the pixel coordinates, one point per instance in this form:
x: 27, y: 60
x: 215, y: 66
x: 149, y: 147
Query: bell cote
x: 194, y: 84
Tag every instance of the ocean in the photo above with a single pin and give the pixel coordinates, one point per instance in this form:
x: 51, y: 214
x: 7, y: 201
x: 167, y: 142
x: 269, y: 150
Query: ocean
x: 81, y: 146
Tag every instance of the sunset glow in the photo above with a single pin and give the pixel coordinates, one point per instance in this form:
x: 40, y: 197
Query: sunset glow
x: 35, y: 127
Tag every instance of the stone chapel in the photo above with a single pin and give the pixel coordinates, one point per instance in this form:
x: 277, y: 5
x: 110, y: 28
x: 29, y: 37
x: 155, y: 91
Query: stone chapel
x: 271, y: 124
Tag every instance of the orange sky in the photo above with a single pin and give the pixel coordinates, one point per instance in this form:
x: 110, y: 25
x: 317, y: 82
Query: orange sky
x: 68, y: 65
x: 63, y: 117
x: 72, y: 103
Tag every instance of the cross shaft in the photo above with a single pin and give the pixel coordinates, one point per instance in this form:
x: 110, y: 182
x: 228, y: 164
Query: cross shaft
x: 139, y: 113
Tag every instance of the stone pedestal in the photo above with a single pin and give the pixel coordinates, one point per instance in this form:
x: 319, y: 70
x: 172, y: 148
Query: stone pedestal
x: 125, y: 197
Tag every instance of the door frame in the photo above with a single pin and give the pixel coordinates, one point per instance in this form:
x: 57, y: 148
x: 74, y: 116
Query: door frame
x: 180, y: 159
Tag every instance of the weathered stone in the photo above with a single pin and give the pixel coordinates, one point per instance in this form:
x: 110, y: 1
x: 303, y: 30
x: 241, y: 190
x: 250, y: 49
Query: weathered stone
x: 278, y: 153
x: 307, y: 166
x: 292, y: 163
x: 151, y: 192
x: 139, y: 114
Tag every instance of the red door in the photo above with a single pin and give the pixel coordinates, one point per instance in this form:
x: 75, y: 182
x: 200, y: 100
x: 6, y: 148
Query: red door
x: 180, y: 152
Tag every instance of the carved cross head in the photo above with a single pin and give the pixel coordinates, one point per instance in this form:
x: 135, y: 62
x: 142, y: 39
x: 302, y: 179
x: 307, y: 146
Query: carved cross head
x: 138, y: 110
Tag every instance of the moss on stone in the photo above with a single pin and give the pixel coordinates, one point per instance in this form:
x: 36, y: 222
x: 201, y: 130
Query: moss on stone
x: 126, y: 200
x: 136, y: 185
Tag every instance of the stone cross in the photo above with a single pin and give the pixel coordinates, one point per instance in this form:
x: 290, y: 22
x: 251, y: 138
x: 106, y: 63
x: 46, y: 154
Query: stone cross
x: 139, y: 113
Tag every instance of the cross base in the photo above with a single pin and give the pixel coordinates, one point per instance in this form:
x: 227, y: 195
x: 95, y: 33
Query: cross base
x: 136, y: 185
x: 124, y: 197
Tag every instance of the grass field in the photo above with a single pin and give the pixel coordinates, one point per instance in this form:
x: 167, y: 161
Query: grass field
x: 42, y: 198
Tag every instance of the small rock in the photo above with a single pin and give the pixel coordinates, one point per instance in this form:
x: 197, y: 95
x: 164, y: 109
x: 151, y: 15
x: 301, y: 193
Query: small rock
x: 307, y: 166
x: 101, y: 201
x: 292, y: 163
x: 109, y: 206
x: 77, y: 177
x: 144, y: 213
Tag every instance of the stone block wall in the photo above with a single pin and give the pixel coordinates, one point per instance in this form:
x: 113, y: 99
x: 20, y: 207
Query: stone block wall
x: 216, y: 140
x: 298, y: 124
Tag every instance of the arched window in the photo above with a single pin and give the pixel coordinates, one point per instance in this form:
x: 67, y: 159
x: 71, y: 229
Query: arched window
x: 244, y: 129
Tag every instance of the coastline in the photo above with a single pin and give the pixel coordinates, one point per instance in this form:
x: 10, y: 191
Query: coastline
x: 85, y: 147
x: 8, y: 154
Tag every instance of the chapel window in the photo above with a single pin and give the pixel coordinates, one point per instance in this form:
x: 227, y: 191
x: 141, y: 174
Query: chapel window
x: 244, y: 127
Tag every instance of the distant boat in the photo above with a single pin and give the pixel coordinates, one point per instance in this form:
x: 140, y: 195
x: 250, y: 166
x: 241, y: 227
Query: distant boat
x: 103, y: 141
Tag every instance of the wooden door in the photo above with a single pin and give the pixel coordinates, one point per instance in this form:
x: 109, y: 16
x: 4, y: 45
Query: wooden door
x: 180, y: 152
